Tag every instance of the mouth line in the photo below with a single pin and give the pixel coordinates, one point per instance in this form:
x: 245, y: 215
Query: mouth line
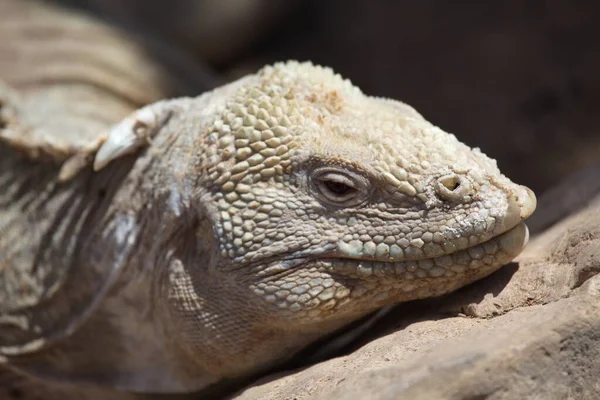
x: 480, y: 259
x: 508, y: 241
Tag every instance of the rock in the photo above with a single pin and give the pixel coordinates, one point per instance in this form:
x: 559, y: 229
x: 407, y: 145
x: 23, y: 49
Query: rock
x: 530, y: 330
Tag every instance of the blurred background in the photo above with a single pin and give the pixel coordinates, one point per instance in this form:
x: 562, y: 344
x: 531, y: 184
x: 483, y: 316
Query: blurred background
x: 519, y: 79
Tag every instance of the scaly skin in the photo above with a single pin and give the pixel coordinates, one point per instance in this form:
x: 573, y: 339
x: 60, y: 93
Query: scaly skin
x: 264, y: 215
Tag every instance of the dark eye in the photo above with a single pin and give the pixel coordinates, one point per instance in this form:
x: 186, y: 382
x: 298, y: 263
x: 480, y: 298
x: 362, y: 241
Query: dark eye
x: 340, y: 187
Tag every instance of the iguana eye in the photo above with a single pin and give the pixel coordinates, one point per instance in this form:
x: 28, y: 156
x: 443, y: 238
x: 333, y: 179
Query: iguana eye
x: 340, y: 188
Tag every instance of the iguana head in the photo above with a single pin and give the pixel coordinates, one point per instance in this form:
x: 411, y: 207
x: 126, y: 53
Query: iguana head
x: 299, y: 205
x: 333, y: 203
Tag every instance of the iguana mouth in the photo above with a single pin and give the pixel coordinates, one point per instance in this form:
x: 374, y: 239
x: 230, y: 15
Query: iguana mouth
x: 511, y: 237
x: 355, y: 258
x: 494, y: 252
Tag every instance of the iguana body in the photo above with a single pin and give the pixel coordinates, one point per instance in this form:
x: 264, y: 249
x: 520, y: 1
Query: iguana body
x: 209, y: 238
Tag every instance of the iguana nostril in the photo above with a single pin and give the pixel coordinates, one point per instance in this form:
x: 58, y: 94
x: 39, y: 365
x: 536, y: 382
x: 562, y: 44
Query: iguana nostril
x: 451, y: 187
x: 450, y: 182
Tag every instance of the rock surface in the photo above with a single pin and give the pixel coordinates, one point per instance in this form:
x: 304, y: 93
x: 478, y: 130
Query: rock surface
x: 531, y: 330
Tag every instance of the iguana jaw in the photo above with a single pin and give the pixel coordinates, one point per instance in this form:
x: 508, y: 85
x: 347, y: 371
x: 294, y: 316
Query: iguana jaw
x: 313, y: 291
x: 336, y: 282
x: 495, y: 247
x: 492, y: 253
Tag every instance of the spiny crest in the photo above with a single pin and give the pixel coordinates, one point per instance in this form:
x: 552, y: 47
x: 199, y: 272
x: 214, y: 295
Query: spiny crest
x: 307, y: 73
x: 252, y: 139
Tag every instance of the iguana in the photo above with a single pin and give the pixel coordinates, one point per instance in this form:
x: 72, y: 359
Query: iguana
x: 211, y: 238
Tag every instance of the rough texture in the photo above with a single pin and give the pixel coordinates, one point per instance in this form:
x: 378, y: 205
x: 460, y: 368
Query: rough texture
x: 531, y: 330
x: 260, y: 217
